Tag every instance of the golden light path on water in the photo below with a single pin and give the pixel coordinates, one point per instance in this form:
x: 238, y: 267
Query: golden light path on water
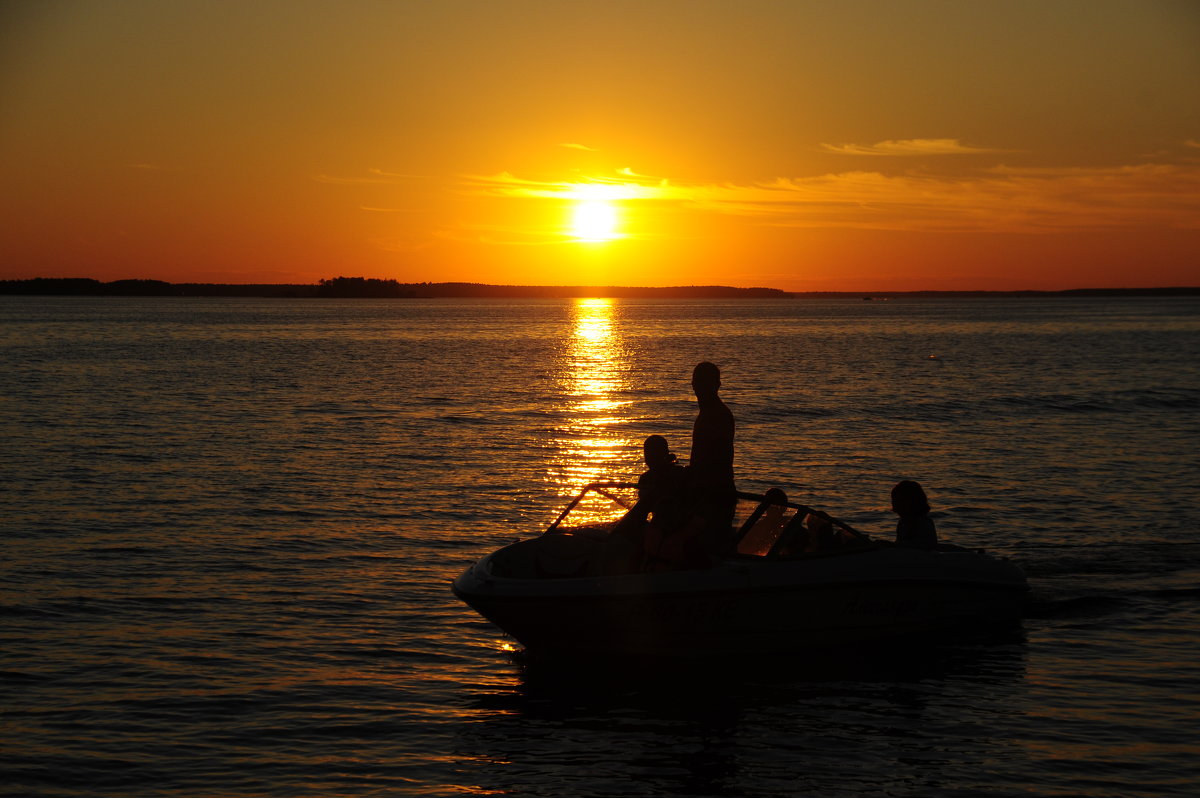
x: 591, y: 446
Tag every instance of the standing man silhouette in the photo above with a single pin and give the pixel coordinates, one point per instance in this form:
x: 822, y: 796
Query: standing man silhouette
x: 710, y: 477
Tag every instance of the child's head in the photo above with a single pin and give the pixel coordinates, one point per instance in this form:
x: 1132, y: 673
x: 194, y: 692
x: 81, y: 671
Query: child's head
x: 658, y: 452
x: 908, y: 498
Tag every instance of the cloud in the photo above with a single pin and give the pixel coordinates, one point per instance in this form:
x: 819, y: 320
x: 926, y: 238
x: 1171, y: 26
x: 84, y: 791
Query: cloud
x: 1000, y: 199
x: 571, y: 145
x: 626, y: 186
x: 908, y: 147
x: 351, y: 181
x: 628, y: 174
x: 382, y: 209
x: 373, y: 177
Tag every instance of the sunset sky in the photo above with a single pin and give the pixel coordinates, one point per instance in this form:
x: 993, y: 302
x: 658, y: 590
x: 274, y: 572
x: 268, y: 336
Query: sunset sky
x: 803, y: 145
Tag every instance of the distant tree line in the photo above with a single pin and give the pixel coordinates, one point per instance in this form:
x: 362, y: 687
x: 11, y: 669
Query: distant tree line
x: 370, y: 287
x: 364, y: 287
x: 575, y: 291
x: 86, y: 286
x: 357, y: 287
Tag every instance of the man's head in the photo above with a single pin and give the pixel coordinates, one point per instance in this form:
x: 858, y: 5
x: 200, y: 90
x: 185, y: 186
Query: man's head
x: 706, y: 378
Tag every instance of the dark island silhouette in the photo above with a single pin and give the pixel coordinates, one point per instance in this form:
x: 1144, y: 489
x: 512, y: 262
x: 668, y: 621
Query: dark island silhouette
x: 370, y: 287
x: 365, y: 287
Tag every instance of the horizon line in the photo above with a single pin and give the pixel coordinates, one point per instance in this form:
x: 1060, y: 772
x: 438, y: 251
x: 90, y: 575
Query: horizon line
x: 580, y: 286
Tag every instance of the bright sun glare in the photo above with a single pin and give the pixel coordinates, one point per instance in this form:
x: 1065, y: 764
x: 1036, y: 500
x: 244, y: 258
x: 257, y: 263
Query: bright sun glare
x: 594, y: 220
x: 595, y: 216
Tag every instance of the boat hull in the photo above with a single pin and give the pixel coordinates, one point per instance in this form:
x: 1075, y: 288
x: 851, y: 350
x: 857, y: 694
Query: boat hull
x: 745, y: 606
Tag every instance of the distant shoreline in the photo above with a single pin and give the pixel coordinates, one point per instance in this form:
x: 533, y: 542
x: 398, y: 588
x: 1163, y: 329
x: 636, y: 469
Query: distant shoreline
x: 359, y: 287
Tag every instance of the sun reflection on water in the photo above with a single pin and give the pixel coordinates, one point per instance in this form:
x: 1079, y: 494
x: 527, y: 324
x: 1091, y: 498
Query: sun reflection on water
x: 590, y: 444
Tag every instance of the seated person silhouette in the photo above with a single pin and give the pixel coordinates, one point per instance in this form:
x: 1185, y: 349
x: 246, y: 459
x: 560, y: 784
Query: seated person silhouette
x: 915, y: 528
x: 662, y: 480
x: 658, y: 513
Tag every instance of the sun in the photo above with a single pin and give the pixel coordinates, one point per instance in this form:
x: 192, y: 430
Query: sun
x: 594, y: 220
x: 595, y: 216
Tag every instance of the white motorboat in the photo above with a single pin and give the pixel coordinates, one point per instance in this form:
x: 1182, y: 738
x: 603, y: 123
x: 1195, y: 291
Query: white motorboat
x: 792, y: 578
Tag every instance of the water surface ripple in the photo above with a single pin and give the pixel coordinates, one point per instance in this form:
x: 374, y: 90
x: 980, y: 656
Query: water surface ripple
x: 229, y: 526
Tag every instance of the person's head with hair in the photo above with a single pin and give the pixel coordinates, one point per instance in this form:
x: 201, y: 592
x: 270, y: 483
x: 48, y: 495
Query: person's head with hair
x: 908, y: 499
x: 706, y: 379
x: 657, y: 452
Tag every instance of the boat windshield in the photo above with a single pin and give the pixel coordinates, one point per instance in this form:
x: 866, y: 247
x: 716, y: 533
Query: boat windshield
x: 765, y: 525
x: 776, y: 528
x: 597, y: 505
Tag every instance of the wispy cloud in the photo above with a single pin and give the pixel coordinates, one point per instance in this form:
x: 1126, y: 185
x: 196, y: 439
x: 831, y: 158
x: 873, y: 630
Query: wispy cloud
x: 572, y: 145
x: 997, y: 199
x: 351, y: 181
x: 372, y: 177
x: 624, y: 186
x: 908, y: 147
x: 1000, y: 199
x: 385, y: 209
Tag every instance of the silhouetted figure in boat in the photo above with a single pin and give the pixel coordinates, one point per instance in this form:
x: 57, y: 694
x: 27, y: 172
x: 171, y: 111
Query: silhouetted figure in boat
x: 658, y: 512
x: 915, y: 528
x: 660, y: 488
x: 710, y: 471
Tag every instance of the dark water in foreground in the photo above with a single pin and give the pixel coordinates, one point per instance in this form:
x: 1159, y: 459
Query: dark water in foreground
x: 228, y: 529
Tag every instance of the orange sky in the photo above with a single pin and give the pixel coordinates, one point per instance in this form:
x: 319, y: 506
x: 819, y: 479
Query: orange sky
x: 799, y: 145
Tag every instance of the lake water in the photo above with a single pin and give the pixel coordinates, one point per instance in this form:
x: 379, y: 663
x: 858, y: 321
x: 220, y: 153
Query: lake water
x: 229, y: 528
